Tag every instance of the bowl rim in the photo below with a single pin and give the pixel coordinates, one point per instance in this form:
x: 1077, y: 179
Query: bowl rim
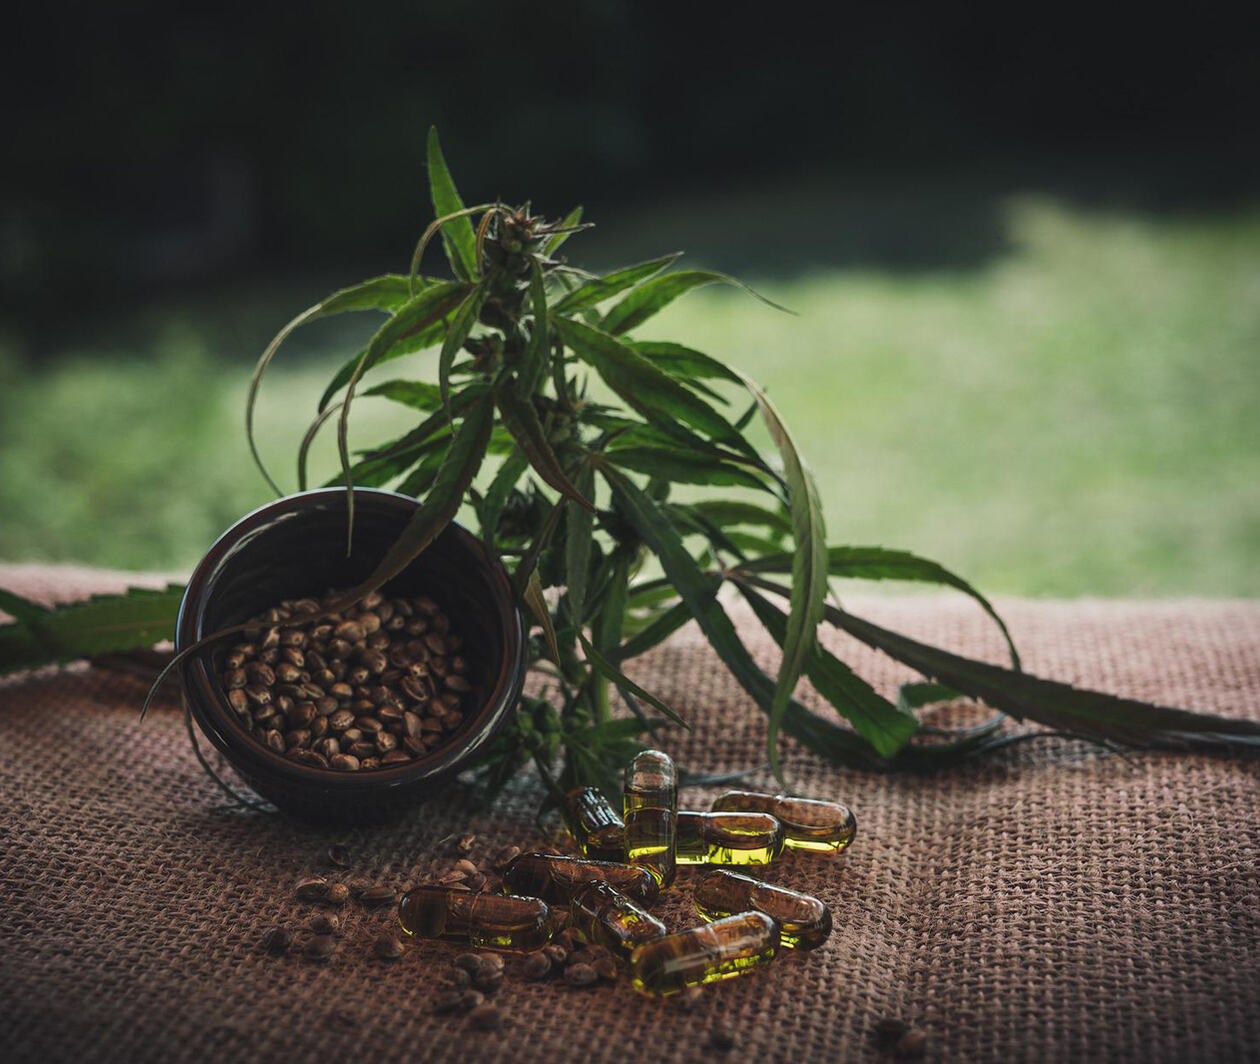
x: 208, y: 700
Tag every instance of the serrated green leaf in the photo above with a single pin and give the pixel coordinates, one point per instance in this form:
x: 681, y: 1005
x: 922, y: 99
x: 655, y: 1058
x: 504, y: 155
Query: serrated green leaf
x: 522, y: 422
x: 537, y: 603
x: 103, y: 624
x: 570, y: 220
x: 21, y: 609
x: 658, y: 631
x: 607, y: 669
x: 426, y: 327
x: 458, y: 236
x: 407, y: 320
x: 1084, y: 713
x: 654, y: 295
x: 497, y: 494
x: 652, y: 524
x: 419, y: 395
x: 304, y: 448
x: 682, y: 467
x: 653, y: 393
x: 386, y: 293
x: 886, y: 726
x: 809, y: 567
x: 611, y: 603
x: 685, y: 363
x: 459, y: 467
x: 421, y: 479
x: 879, y: 563
x: 461, y: 325
x: 730, y: 513
x: 598, y: 289
x: 579, y: 533
x: 534, y: 364
x: 917, y: 695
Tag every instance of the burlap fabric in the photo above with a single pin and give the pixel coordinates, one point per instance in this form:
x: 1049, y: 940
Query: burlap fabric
x: 1052, y: 902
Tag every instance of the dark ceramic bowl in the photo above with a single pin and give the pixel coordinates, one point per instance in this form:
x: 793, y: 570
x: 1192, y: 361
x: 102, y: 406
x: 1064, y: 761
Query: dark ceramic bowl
x: 296, y: 547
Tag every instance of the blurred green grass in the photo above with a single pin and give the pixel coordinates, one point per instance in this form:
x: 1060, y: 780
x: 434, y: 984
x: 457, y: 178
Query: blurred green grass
x: 1077, y: 416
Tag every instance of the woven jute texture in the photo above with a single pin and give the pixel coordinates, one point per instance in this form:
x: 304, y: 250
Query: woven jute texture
x: 1051, y: 902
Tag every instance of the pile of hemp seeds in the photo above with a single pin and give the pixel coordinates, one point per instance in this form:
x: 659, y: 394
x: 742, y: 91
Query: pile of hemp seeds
x: 374, y: 686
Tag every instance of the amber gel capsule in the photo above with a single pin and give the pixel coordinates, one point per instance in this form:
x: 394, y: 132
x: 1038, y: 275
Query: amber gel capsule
x: 728, y: 838
x: 488, y: 921
x: 594, y: 824
x: 651, y: 806
x: 804, y: 922
x: 608, y: 917
x: 554, y: 878
x: 808, y: 824
x: 720, y: 950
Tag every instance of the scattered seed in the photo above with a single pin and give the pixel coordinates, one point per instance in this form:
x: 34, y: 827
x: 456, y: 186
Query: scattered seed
x: 469, y: 962
x: 491, y: 962
x: 471, y: 999
x: 276, y: 940
x: 447, y: 1001
x: 338, y: 894
x: 537, y: 966
x: 324, y: 924
x: 388, y: 948
x: 457, y: 979
x: 580, y: 975
x: 606, y: 969
x: 488, y: 980
x: 312, y: 889
x: 378, y: 895
x: 320, y: 948
x: 486, y: 1018
x: 358, y: 885
x: 555, y: 952
x: 339, y: 856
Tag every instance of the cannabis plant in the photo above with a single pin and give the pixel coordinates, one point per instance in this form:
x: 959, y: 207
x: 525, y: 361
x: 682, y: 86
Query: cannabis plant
x: 573, y: 486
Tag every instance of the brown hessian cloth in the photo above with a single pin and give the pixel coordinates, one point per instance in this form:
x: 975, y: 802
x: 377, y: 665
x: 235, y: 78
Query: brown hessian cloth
x: 1051, y: 902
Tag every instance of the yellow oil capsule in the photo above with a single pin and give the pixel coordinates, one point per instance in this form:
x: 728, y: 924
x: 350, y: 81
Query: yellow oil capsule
x: 651, y: 807
x: 804, y: 922
x: 720, y: 950
x: 608, y: 917
x: 556, y: 879
x: 488, y: 921
x: 728, y: 838
x: 808, y: 824
x: 594, y: 824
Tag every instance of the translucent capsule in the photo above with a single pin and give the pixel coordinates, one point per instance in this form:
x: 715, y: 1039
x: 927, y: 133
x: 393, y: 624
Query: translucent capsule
x: 804, y: 922
x: 808, y: 824
x: 608, y: 917
x: 488, y: 921
x: 720, y: 950
x: 728, y: 838
x: 555, y: 878
x: 651, y: 806
x: 594, y: 824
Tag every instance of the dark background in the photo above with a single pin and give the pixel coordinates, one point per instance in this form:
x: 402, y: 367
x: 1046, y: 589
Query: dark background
x: 153, y: 150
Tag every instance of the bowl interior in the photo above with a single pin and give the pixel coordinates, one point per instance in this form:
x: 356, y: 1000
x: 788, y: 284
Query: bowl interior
x: 296, y: 547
